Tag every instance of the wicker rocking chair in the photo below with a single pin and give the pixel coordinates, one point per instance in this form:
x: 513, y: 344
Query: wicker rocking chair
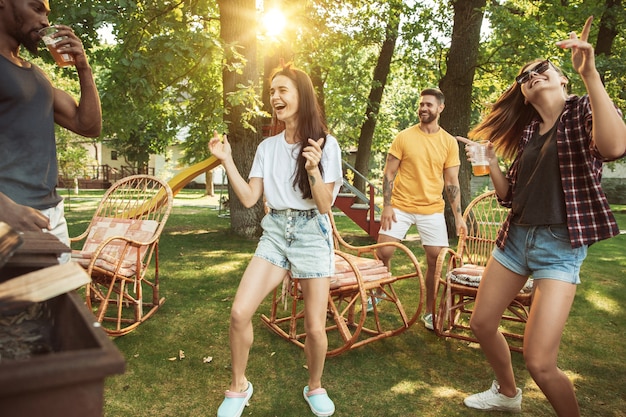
x: 118, y: 246
x: 394, y: 297
x: 460, y: 271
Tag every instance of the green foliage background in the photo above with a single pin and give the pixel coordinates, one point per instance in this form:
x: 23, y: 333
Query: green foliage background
x: 160, y: 82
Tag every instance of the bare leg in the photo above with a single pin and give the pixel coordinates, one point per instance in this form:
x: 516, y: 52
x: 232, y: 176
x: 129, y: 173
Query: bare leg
x: 552, y: 302
x: 315, y: 293
x: 258, y: 280
x: 498, y: 287
x: 386, y: 253
x: 432, y: 252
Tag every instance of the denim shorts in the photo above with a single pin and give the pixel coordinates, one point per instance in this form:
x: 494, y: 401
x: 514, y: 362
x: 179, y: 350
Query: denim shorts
x: 543, y: 252
x: 299, y: 241
x: 431, y: 227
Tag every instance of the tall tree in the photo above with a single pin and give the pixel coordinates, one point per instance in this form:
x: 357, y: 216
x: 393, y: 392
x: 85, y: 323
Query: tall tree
x: 379, y: 81
x: 238, y: 26
x: 153, y: 77
x: 163, y: 76
x: 457, y: 83
x: 338, y: 44
x: 608, y: 31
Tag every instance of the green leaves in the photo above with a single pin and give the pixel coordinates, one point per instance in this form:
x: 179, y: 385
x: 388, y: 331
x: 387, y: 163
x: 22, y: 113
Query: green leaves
x: 167, y: 66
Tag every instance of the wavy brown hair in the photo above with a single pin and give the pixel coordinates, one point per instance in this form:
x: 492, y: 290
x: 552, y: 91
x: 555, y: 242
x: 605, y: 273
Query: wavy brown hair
x: 508, y: 117
x: 311, y: 123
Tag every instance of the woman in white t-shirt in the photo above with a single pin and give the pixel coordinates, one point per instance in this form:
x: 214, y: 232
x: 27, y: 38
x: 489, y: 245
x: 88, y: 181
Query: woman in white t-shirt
x: 298, y: 171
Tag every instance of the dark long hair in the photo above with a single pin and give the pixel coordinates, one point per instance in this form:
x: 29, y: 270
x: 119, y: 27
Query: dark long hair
x: 311, y: 123
x: 509, y: 115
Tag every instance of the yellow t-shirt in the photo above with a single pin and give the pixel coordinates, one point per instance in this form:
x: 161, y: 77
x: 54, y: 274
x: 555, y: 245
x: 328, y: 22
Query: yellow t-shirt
x: 419, y: 182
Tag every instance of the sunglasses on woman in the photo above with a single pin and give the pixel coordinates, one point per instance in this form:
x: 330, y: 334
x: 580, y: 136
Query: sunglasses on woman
x: 540, y: 68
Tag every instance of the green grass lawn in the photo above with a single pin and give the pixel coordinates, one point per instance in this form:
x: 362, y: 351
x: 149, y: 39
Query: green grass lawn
x: 413, y: 374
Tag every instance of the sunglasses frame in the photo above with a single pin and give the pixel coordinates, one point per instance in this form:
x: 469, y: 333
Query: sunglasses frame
x: 540, y: 68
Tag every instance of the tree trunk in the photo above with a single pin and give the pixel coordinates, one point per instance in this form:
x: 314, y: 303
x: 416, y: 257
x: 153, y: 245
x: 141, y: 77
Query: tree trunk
x: 607, y: 31
x: 456, y: 85
x: 209, y: 188
x: 379, y: 81
x: 238, y: 27
x: 318, y: 83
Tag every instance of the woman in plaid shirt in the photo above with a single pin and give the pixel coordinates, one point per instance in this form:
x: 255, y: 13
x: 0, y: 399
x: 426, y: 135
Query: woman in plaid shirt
x: 557, y: 208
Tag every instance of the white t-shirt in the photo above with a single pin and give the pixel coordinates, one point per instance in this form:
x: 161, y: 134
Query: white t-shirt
x: 275, y: 162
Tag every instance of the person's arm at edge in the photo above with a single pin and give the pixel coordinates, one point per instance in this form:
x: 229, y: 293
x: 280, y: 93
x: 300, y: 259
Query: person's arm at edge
x: 21, y: 218
x: 84, y: 117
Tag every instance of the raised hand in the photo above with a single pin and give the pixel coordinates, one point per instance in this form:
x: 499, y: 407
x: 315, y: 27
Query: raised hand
x: 583, y: 59
x: 72, y: 45
x: 313, y: 153
x: 219, y: 146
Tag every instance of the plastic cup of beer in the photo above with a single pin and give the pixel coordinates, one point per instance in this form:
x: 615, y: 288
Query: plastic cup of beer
x: 62, y: 60
x: 480, y: 163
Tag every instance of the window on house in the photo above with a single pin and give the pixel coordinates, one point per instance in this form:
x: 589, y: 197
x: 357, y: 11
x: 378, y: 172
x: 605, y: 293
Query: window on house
x: 113, y: 155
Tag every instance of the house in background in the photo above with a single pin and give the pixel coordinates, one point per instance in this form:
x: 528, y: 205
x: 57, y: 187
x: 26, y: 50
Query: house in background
x: 109, y: 166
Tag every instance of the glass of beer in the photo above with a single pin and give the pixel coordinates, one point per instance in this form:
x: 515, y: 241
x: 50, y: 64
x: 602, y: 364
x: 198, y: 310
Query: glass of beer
x: 480, y: 163
x: 62, y: 60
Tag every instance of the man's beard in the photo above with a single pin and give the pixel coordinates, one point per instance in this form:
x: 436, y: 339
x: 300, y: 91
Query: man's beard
x: 32, y: 47
x: 427, y: 117
x: 25, y: 39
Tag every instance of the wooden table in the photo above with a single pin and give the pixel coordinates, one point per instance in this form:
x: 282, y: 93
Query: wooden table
x: 38, y: 250
x: 68, y: 379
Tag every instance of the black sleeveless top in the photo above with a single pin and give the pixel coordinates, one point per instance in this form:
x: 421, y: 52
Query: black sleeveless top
x: 28, y: 159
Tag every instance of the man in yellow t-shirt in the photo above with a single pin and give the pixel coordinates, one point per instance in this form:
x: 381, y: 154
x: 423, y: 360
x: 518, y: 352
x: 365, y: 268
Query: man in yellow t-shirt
x: 422, y: 162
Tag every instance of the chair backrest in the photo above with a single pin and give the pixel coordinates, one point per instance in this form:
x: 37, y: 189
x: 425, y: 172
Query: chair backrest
x: 135, y: 207
x: 137, y: 197
x: 483, y: 216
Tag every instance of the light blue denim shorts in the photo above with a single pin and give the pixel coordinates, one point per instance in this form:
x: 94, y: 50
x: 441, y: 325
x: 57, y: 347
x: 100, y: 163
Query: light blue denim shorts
x: 299, y: 241
x: 543, y: 252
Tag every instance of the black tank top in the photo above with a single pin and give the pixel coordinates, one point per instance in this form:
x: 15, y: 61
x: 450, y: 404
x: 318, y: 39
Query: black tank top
x: 28, y: 159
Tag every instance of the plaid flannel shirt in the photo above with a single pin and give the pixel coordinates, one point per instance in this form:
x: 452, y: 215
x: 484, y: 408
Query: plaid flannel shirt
x: 589, y: 217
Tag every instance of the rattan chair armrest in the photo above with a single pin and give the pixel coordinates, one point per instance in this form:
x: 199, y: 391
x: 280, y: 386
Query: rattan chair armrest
x: 446, y: 260
x: 80, y: 237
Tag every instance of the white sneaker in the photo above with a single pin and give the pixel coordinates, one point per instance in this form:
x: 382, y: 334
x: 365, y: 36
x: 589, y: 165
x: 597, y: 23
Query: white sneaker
x: 370, y: 305
x: 493, y: 400
x: 378, y: 296
x: 428, y: 321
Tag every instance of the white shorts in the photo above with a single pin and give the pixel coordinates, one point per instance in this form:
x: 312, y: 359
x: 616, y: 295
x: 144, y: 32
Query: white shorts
x: 431, y: 227
x: 58, y: 227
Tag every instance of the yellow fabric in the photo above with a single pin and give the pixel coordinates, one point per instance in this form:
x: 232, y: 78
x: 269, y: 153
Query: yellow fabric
x: 419, y: 183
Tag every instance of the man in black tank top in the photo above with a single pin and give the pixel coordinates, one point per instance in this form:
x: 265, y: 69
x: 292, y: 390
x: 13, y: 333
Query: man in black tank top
x: 29, y: 107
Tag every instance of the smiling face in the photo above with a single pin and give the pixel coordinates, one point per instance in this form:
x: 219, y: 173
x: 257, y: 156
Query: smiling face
x: 429, y: 109
x: 284, y: 99
x: 535, y: 78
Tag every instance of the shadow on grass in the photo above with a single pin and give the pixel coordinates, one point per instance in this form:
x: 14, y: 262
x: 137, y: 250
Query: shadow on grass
x: 413, y: 374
